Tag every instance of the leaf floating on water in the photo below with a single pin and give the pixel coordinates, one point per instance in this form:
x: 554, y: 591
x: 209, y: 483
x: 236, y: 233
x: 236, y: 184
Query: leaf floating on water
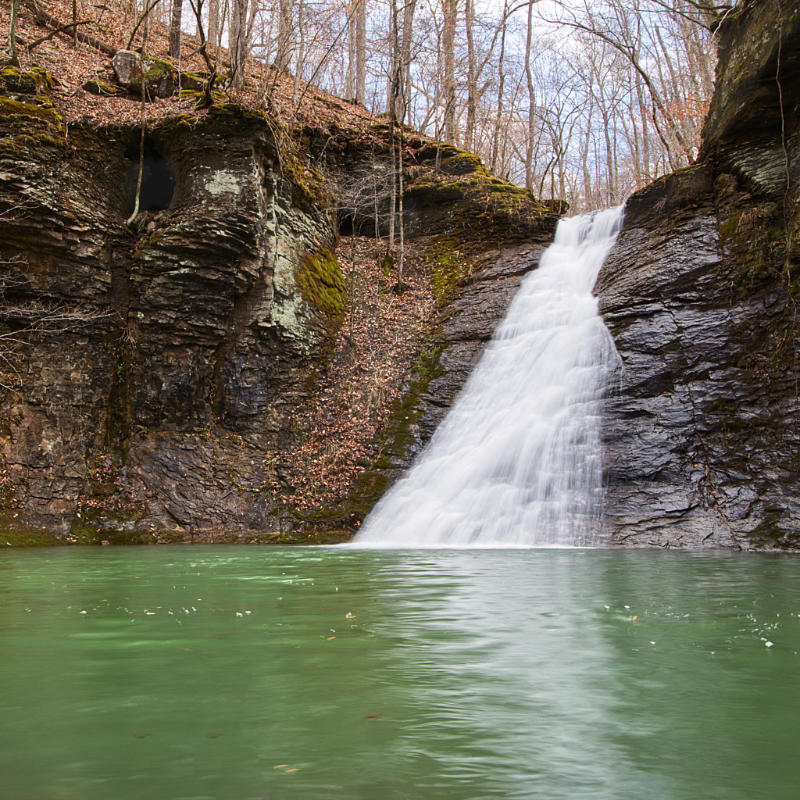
x: 292, y: 769
x: 329, y: 638
x: 372, y: 716
x: 349, y: 615
x: 281, y: 766
x: 141, y: 735
x: 286, y: 768
x: 213, y: 735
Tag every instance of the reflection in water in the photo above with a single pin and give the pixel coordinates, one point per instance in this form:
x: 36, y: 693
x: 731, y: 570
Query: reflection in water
x: 337, y: 673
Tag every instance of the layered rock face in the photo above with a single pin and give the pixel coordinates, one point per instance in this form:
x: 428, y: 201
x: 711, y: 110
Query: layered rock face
x: 151, y: 375
x: 700, y: 294
x: 147, y: 371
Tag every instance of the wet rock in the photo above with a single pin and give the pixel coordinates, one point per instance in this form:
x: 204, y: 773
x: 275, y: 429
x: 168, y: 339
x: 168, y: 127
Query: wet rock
x: 703, y: 430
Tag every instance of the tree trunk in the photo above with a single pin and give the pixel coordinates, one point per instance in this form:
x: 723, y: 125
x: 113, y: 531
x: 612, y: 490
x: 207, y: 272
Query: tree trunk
x: 472, y: 77
x: 175, y: 29
x: 284, y: 54
x: 350, y: 75
x: 12, y: 33
x: 501, y: 80
x: 405, y: 51
x: 531, y: 101
x: 450, y: 9
x: 238, y: 42
x: 213, y: 22
x: 361, y: 51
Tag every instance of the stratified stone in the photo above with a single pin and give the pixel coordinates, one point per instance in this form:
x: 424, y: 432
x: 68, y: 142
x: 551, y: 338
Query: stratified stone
x: 703, y: 428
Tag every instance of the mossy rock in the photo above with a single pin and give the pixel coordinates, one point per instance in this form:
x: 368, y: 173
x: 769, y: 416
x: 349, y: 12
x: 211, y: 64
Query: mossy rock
x: 556, y: 205
x: 452, y: 160
x: 198, y: 81
x: 235, y: 110
x: 160, y: 77
x: 482, y: 206
x: 451, y: 267
x: 309, y: 190
x: 35, y: 81
x: 322, y: 284
x: 30, y: 125
x: 15, y: 534
x: 102, y: 89
x: 200, y: 96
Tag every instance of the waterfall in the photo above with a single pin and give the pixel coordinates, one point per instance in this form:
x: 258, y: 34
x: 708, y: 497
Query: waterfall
x: 517, y: 460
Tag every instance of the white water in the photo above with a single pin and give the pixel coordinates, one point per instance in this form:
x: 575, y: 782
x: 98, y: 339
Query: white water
x: 517, y: 461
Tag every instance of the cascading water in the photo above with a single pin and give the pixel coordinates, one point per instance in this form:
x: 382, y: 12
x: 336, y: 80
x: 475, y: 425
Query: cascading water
x: 517, y: 461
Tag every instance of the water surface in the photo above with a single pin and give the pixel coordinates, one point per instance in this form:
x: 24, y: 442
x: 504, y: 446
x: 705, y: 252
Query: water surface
x: 340, y: 673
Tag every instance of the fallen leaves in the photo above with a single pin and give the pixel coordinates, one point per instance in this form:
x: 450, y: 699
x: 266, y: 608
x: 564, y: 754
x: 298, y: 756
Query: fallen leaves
x: 352, y: 399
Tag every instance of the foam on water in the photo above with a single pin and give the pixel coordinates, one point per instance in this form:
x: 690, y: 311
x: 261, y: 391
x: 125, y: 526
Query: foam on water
x: 517, y: 461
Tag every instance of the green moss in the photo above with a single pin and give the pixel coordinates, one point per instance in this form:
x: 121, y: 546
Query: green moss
x: 198, y: 81
x: 14, y: 534
x: 28, y: 125
x: 157, y: 70
x: 96, y: 527
x: 198, y: 93
x: 181, y: 121
x: 40, y: 109
x: 308, y: 185
x: 452, y: 160
x: 450, y: 266
x: 235, y: 110
x: 322, y: 283
x: 36, y: 81
x: 102, y: 89
x: 485, y: 206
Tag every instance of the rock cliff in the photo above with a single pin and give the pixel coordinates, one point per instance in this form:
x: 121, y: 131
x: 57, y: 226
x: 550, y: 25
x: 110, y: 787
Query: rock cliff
x: 151, y: 375
x: 700, y: 293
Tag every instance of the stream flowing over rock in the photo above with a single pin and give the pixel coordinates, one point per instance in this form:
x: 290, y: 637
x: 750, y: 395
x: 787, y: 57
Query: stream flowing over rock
x: 702, y: 434
x: 150, y: 377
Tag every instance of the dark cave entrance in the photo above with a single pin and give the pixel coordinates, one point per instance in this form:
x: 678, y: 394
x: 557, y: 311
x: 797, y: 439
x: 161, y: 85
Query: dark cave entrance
x: 352, y: 223
x: 158, y: 180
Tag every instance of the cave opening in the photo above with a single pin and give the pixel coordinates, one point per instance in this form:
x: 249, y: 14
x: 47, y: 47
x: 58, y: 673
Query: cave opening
x: 355, y: 224
x: 158, y: 180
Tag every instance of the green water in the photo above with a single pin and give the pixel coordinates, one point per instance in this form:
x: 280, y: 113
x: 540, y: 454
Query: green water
x: 239, y: 673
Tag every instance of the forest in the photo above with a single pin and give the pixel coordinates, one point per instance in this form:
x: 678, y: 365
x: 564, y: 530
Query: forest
x: 585, y: 100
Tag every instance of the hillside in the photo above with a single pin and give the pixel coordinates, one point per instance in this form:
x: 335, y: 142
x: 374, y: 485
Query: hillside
x: 228, y: 366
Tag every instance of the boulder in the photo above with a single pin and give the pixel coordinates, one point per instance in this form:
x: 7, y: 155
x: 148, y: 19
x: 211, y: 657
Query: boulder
x: 160, y: 77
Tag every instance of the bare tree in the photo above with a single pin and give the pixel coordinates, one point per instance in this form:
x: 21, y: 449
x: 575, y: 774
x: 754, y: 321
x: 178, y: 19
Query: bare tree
x: 450, y: 10
x: 175, y: 29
